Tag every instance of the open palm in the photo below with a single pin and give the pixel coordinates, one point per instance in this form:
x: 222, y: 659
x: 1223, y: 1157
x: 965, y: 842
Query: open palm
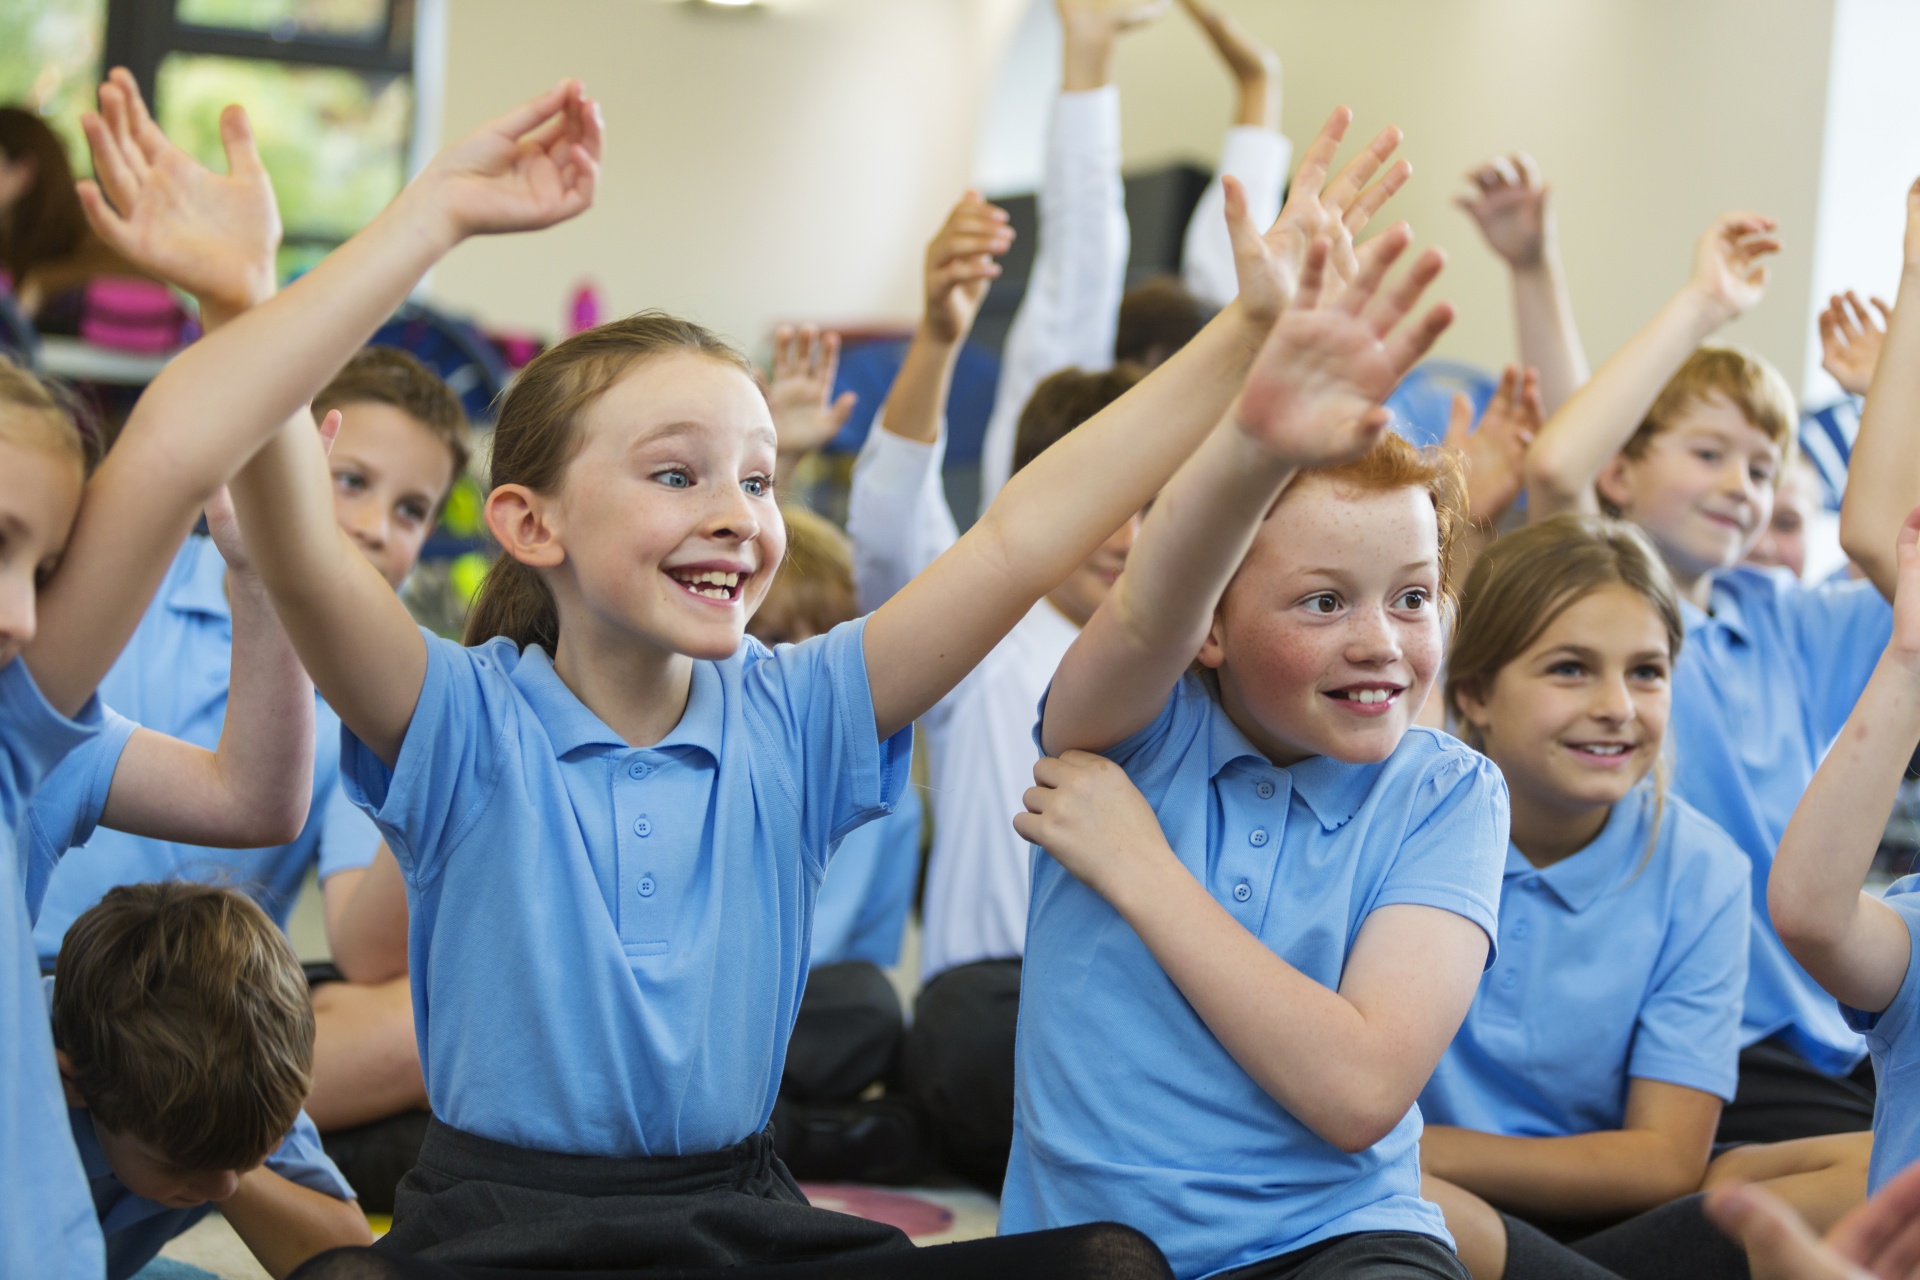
x: 1726, y: 262
x: 537, y: 165
x: 212, y: 234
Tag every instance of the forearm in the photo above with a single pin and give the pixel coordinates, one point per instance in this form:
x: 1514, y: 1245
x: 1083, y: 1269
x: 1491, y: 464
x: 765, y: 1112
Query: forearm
x: 897, y: 516
x: 1815, y: 890
x: 1593, y: 425
x: 1609, y: 1174
x: 367, y: 935
x: 1549, y: 339
x: 1307, y: 1046
x: 1884, y: 474
x: 1117, y: 674
x: 284, y: 1223
x: 917, y: 404
x: 1257, y: 101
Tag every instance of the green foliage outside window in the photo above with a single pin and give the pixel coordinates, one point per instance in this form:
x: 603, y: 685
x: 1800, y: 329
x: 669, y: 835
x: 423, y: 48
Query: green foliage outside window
x: 50, y: 62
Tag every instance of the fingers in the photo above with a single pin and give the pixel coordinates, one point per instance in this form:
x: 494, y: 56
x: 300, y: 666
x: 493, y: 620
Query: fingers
x: 146, y: 134
x: 329, y: 431
x: 1533, y: 406
x: 1528, y: 170
x: 1882, y: 1229
x: 1313, y: 275
x: 106, y: 223
x: 1345, y: 188
x: 1909, y: 537
x: 843, y: 408
x: 534, y: 112
x: 1369, y: 201
x: 1459, y: 421
x: 1317, y: 161
x: 1410, y: 345
x: 115, y: 177
x: 236, y: 139
x: 1886, y: 312
x: 1375, y: 257
x: 1771, y: 1230
x: 1843, y: 322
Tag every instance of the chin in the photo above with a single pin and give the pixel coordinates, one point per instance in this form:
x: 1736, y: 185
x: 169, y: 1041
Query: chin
x: 1372, y: 746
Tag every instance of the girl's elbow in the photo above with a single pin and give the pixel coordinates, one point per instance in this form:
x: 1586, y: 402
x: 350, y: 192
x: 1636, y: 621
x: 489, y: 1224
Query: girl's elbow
x: 274, y: 820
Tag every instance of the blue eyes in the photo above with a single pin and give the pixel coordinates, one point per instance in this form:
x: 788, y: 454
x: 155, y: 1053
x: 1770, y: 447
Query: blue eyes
x: 675, y: 479
x: 758, y: 486
x: 679, y: 478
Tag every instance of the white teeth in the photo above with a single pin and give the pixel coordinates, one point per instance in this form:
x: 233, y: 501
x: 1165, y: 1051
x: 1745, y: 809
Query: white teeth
x: 722, y: 583
x: 1368, y: 695
x: 1609, y: 749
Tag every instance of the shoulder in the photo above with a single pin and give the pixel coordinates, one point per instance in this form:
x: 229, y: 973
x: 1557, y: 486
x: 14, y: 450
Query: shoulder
x: 1903, y: 895
x: 1441, y: 764
x: 1700, y: 858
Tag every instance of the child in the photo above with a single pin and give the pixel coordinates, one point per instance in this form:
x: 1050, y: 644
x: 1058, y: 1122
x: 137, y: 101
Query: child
x: 1075, y: 312
x: 1269, y: 904
x: 649, y: 957
x: 848, y: 1029
x: 959, y: 1060
x: 185, y: 1044
x: 1586, y: 1082
x: 1688, y: 444
x: 1857, y: 946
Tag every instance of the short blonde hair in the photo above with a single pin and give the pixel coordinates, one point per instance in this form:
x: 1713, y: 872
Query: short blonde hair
x: 38, y: 414
x: 813, y: 591
x: 1743, y: 379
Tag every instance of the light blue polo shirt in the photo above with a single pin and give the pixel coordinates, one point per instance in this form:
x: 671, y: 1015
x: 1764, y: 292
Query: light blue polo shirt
x: 1762, y: 687
x: 136, y: 1228
x: 608, y: 943
x: 1126, y: 1108
x: 861, y: 912
x: 47, y: 1224
x: 1625, y: 961
x: 172, y: 678
x: 68, y: 805
x: 1893, y: 1038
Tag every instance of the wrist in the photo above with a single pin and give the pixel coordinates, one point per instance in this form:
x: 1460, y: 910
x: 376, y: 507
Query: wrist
x: 936, y: 336
x: 422, y: 210
x: 1087, y: 57
x: 1703, y: 311
x: 1141, y: 879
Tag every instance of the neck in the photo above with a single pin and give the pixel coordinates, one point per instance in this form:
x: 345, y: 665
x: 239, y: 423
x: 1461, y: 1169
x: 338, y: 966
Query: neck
x: 1284, y: 754
x: 1546, y: 832
x: 637, y: 688
x: 1696, y: 589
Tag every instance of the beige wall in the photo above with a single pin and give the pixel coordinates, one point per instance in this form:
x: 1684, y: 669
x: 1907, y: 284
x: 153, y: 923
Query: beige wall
x: 792, y: 163
x: 758, y: 166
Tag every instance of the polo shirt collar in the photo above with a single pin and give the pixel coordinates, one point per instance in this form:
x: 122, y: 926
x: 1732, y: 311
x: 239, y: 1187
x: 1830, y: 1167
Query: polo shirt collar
x: 1579, y: 881
x: 1333, y: 789
x: 203, y: 588
x: 1727, y: 612
x: 570, y: 725
x: 93, y: 1160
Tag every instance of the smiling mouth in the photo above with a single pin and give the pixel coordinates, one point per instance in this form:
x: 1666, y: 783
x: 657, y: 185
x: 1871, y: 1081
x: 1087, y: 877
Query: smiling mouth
x: 1602, y: 752
x: 716, y: 585
x: 1371, y: 700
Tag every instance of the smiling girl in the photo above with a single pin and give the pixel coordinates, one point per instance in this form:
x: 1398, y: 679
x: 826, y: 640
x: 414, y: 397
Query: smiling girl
x: 1588, y: 1078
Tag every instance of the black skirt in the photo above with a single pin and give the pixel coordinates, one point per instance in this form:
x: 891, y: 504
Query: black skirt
x: 477, y: 1202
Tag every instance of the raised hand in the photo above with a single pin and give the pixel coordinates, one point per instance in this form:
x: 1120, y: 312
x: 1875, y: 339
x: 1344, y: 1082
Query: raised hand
x: 213, y: 235
x: 1495, y: 455
x: 1726, y: 263
x: 1314, y: 394
x: 1108, y: 17
x: 1086, y: 813
x: 1509, y: 203
x: 1269, y: 266
x: 1255, y: 67
x: 1850, y: 340
x: 805, y: 413
x: 960, y: 266
x: 534, y: 166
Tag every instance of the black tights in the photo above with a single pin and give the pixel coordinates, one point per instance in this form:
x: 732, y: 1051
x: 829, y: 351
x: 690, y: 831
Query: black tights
x: 1100, y: 1251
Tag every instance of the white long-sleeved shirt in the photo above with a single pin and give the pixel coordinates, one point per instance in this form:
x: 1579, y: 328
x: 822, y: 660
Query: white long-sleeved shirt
x: 1258, y: 158
x: 979, y: 737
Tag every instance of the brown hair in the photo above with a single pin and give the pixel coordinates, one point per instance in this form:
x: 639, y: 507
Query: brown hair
x: 1529, y: 578
x: 538, y: 434
x: 46, y: 224
x: 1064, y: 401
x: 1744, y: 380
x: 813, y: 591
x: 1392, y: 464
x: 1157, y: 318
x: 186, y: 1021
x: 390, y: 376
x: 39, y: 414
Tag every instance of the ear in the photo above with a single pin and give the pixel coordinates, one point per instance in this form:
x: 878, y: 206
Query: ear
x: 520, y: 520
x: 1615, y: 482
x: 1213, y: 650
x: 1471, y: 705
x: 67, y: 1086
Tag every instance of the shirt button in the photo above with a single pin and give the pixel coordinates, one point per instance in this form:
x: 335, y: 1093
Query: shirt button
x: 642, y: 828
x: 646, y: 886
x: 1520, y: 929
x: 1258, y: 837
x: 1264, y: 790
x: 1533, y: 882
x: 1509, y: 980
x: 639, y: 769
x: 1242, y: 891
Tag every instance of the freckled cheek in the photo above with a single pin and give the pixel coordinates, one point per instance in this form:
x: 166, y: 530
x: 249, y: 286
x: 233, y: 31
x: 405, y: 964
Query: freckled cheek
x: 1278, y: 664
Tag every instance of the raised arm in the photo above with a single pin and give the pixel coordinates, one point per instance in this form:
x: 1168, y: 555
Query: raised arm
x: 1255, y: 152
x: 1853, y: 944
x: 1072, y: 498
x: 1851, y: 339
x: 533, y: 167
x: 253, y: 788
x: 1349, y: 1063
x: 1514, y: 210
x: 1313, y: 399
x: 1579, y: 439
x: 1884, y: 474
x: 806, y: 413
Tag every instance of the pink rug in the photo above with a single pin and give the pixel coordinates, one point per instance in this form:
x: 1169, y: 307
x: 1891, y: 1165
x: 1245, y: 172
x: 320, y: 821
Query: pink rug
x: 910, y: 1213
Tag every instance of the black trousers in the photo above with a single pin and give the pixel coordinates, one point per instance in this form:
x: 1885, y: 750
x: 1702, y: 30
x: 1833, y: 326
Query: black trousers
x: 959, y: 1066
x: 1365, y: 1255
x: 846, y: 1036
x: 1781, y: 1096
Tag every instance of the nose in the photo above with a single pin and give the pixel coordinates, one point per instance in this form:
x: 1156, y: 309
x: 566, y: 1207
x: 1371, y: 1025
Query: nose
x: 1612, y: 703
x: 732, y: 517
x: 368, y: 524
x: 1371, y: 638
x: 1737, y: 480
x: 17, y: 612
x: 217, y: 1185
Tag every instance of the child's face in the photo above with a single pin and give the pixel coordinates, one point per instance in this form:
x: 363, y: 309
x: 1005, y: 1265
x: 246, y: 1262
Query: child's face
x: 1703, y: 488
x: 146, y: 1172
x: 390, y: 474
x: 1795, y: 505
x: 1328, y: 638
x: 39, y: 498
x: 1089, y: 584
x: 1576, y: 721
x: 666, y: 516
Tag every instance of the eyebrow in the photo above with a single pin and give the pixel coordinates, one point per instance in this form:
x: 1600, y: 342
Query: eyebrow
x: 687, y: 427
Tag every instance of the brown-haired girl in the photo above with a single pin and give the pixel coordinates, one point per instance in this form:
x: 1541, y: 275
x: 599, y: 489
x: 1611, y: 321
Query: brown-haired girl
x: 1588, y: 1077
